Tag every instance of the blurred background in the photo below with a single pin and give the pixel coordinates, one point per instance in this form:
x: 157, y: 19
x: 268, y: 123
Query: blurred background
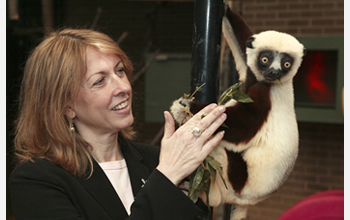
x: 157, y: 36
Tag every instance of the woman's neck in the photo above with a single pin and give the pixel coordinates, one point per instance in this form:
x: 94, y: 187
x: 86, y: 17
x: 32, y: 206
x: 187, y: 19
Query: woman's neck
x: 106, y: 149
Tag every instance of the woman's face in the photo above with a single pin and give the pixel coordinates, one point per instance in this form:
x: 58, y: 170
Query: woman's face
x: 103, y: 104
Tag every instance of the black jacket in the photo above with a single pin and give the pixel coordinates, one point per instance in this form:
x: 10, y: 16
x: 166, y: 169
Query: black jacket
x: 42, y: 190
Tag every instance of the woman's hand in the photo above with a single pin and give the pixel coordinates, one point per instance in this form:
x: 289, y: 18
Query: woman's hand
x: 181, y: 151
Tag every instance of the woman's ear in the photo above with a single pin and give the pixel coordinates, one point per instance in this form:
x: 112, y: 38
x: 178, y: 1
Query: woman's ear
x: 70, y: 113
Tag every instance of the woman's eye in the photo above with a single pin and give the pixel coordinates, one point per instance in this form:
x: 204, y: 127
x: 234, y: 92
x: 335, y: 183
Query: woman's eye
x: 120, y: 70
x: 98, y: 82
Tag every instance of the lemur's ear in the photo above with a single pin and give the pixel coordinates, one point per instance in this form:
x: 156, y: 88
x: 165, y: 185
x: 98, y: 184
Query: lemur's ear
x: 249, y: 42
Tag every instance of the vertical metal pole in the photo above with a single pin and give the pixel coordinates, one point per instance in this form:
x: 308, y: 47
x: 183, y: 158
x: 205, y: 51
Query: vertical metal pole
x: 206, y: 49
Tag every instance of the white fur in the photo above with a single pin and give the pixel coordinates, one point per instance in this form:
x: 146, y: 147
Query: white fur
x: 270, y: 155
x: 278, y: 41
x: 238, y: 55
x: 276, y: 63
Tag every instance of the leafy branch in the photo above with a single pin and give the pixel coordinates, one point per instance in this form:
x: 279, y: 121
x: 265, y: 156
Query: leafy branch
x: 191, y: 98
x: 233, y: 93
x: 202, y: 177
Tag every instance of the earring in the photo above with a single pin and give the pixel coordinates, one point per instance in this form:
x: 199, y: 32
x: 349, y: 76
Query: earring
x: 72, y: 128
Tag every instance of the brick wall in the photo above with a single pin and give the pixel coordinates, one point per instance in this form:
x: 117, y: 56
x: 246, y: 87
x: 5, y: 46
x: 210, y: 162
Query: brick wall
x: 296, y: 17
x: 320, y: 165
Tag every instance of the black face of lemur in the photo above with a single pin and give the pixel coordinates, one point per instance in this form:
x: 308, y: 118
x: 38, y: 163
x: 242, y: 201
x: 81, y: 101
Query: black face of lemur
x: 274, y: 65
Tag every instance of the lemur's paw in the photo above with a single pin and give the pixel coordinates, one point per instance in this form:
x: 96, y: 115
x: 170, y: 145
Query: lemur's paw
x: 180, y: 110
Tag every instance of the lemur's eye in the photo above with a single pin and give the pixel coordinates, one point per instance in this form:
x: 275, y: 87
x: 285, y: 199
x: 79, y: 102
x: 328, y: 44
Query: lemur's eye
x: 264, y: 59
x: 287, y: 64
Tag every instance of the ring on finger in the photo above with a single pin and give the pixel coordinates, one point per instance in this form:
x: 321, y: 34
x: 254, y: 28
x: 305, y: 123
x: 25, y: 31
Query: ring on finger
x: 196, y: 132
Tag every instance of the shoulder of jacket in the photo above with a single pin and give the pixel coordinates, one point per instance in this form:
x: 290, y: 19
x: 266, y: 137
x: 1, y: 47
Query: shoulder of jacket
x: 143, y: 147
x: 37, y: 168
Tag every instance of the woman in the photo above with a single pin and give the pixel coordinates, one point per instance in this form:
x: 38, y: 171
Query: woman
x: 73, y: 139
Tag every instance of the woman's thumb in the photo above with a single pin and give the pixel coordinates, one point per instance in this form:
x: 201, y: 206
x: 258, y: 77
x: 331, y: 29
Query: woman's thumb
x: 169, y: 125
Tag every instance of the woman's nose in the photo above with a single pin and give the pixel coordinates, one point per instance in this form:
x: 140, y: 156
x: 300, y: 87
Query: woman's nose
x: 120, y: 85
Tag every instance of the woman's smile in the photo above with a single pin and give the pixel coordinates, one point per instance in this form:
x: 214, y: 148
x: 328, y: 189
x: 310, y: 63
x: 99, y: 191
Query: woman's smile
x: 120, y: 106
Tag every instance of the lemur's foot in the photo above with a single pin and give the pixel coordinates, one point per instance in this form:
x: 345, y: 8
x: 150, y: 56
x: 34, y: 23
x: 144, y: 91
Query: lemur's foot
x: 180, y: 110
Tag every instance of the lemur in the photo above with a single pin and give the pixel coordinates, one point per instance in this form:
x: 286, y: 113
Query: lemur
x: 260, y: 145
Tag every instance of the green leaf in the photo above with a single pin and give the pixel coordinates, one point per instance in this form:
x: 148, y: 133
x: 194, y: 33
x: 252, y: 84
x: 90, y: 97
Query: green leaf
x: 212, y: 172
x: 204, y: 186
x: 233, y: 93
x: 224, y: 125
x: 210, y: 168
x: 217, y: 166
x: 214, y: 163
x: 241, y: 97
x: 228, y: 92
x: 222, y: 177
x: 195, y: 179
x: 194, y: 195
x: 201, y: 178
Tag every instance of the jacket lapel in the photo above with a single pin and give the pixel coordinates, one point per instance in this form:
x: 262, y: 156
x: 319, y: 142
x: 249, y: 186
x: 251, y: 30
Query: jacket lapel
x: 102, y: 190
x: 138, y: 172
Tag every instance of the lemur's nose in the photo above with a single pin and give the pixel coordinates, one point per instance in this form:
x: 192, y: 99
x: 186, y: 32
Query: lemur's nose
x: 275, y: 74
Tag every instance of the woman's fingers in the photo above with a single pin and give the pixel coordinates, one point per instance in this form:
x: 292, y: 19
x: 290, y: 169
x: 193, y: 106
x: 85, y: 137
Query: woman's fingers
x: 213, y: 120
x: 212, y: 143
x: 169, y: 125
x: 203, y: 113
x: 206, y: 122
x: 212, y: 127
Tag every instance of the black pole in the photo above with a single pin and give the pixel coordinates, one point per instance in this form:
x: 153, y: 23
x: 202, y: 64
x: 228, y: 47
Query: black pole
x: 206, y: 48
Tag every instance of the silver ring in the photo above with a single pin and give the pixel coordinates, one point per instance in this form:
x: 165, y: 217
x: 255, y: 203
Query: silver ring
x: 196, y: 132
